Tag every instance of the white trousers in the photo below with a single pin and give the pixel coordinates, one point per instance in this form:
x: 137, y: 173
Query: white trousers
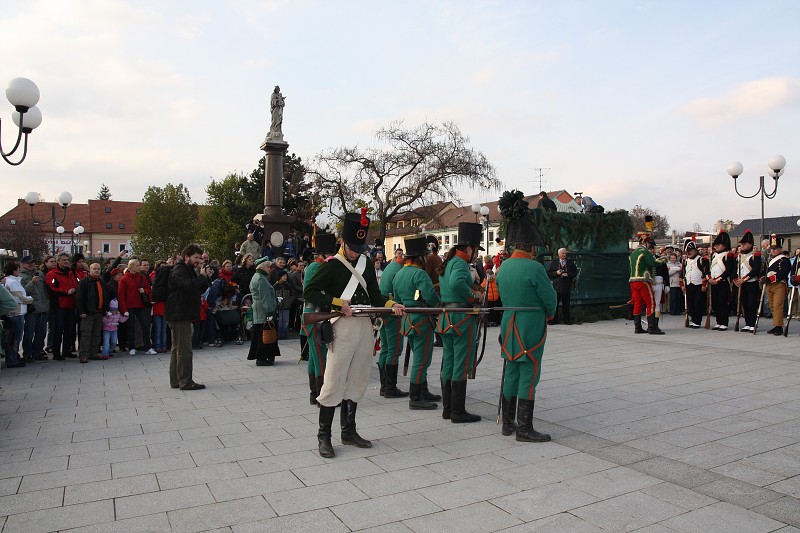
x: 658, y: 291
x: 349, y: 362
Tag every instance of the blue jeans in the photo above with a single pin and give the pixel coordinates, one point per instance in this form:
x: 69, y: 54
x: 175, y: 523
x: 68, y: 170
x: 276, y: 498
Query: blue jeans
x: 35, y: 333
x: 18, y: 325
x: 283, y: 323
x: 159, y: 332
x: 109, y: 341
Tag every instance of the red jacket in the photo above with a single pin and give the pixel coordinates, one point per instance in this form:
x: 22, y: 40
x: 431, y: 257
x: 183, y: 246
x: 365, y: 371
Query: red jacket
x: 128, y: 291
x: 60, y: 282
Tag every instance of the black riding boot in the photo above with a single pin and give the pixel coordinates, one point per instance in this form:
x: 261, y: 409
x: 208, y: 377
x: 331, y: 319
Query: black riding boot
x: 446, y: 394
x: 416, y: 400
x: 652, y: 325
x: 458, y: 398
x: 324, y: 433
x: 637, y: 321
x: 382, y: 373
x: 509, y: 412
x: 427, y: 395
x: 391, y: 390
x: 312, y: 385
x: 349, y: 434
x: 525, y: 431
x: 437, y: 342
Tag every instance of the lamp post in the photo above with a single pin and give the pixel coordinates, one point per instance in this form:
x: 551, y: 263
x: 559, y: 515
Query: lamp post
x: 75, y: 237
x: 23, y: 94
x: 485, y: 214
x: 64, y: 199
x: 60, y: 230
x: 776, y: 165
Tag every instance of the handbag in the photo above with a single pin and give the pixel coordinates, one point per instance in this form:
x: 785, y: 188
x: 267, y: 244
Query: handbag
x: 143, y: 295
x: 269, y: 334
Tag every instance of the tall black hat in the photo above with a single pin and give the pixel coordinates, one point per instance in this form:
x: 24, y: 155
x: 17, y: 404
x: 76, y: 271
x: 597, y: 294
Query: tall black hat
x: 469, y: 234
x: 747, y: 238
x: 416, y: 246
x: 325, y: 243
x: 690, y: 245
x: 354, y: 231
x: 724, y: 239
x: 775, y: 241
x: 520, y: 229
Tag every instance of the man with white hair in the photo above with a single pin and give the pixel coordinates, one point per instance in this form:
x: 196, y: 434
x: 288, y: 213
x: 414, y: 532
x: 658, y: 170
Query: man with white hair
x: 562, y: 271
x: 250, y: 246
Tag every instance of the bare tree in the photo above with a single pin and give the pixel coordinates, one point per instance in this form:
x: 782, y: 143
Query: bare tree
x: 660, y: 222
x: 409, y: 168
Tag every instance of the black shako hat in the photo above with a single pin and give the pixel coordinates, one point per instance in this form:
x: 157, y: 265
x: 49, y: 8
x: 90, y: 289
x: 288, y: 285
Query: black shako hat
x: 469, y: 234
x: 325, y: 243
x: 747, y: 238
x: 724, y: 239
x: 416, y: 246
x: 775, y: 242
x: 690, y: 245
x: 520, y: 229
x: 354, y: 231
x: 431, y: 239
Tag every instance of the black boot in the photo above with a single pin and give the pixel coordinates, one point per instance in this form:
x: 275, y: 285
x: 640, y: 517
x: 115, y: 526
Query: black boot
x: 349, y: 434
x: 324, y: 433
x: 416, y: 400
x: 382, y: 373
x: 446, y: 393
x: 525, y: 431
x: 426, y: 394
x: 458, y: 398
x: 637, y: 321
x: 437, y: 340
x: 778, y: 330
x: 391, y: 390
x: 652, y: 325
x: 320, y: 380
x: 312, y: 384
x: 509, y: 412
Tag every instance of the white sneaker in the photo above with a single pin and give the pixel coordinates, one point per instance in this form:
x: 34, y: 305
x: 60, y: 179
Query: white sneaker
x: 132, y: 352
x: 747, y: 328
x: 717, y: 326
x: 722, y: 328
x: 693, y: 325
x: 151, y: 352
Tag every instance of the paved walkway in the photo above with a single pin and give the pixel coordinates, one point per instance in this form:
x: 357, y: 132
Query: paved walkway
x: 692, y: 431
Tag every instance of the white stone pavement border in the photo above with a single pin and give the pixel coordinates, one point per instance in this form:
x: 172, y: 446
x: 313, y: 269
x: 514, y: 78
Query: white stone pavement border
x: 691, y: 431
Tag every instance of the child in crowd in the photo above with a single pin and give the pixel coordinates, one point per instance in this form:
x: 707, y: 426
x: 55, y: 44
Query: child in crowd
x: 111, y: 322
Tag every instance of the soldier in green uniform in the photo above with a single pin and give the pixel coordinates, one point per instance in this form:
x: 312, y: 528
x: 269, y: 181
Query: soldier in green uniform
x: 391, y: 336
x: 412, y: 287
x: 324, y: 247
x: 642, y: 274
x: 346, y: 279
x: 459, y: 330
x: 522, y: 282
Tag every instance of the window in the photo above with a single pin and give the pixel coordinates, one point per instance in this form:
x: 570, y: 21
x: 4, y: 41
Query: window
x: 109, y: 225
x: 106, y: 247
x: 388, y: 226
x: 447, y: 239
x: 401, y: 224
x: 455, y: 238
x: 413, y: 221
x: 77, y: 223
x: 108, y: 209
x: 491, y: 237
x: 122, y: 246
x: 121, y: 225
x: 14, y: 222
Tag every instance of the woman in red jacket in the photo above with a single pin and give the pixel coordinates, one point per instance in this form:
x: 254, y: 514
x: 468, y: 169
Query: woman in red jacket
x: 63, y: 283
x: 134, y: 301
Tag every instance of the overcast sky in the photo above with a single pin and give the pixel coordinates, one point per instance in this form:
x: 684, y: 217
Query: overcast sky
x: 631, y: 102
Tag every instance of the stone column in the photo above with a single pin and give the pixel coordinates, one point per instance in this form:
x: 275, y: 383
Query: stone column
x: 274, y: 219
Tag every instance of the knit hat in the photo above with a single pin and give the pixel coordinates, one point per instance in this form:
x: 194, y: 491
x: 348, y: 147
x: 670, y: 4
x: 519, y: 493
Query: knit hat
x: 113, y: 305
x: 114, y: 272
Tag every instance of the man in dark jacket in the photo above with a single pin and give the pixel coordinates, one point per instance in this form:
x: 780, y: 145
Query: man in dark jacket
x: 562, y: 271
x: 184, y: 288
x: 93, y: 298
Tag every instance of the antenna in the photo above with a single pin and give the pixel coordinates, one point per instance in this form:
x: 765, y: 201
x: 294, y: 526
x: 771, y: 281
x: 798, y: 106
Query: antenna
x: 539, y: 172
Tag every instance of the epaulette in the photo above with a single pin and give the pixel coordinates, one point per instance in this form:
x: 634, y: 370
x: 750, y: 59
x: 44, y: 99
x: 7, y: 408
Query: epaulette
x: 757, y: 253
x: 731, y: 254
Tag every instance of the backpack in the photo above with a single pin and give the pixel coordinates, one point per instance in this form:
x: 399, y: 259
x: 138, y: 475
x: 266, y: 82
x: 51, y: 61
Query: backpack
x: 159, y: 288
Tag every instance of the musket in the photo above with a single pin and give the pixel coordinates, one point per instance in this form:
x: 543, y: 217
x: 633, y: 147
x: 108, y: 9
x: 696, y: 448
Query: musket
x: 792, y: 300
x: 500, y: 399
x: 407, y: 358
x: 708, y: 303
x: 313, y: 318
x: 738, y: 293
x: 760, y: 306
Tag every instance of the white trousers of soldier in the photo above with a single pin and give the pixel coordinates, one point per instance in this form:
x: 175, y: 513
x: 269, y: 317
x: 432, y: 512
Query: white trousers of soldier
x: 658, y: 291
x: 349, y: 362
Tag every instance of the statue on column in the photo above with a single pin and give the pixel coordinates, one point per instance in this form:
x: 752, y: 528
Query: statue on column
x: 276, y: 105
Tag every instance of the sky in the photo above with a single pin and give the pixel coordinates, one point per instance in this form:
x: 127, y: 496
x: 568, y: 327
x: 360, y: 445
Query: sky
x: 629, y: 102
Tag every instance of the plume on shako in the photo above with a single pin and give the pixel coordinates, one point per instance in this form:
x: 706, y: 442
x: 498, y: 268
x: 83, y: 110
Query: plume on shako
x: 520, y: 229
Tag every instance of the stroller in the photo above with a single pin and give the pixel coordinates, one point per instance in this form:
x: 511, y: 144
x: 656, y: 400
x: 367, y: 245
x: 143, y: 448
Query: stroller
x: 228, y: 317
x: 247, y: 315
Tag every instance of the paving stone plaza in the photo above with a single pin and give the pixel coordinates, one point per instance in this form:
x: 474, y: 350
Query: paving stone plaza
x: 695, y: 431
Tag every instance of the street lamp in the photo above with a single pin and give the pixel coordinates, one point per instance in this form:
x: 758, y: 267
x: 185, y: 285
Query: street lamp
x: 64, y: 199
x: 776, y: 165
x: 23, y: 94
x: 476, y: 208
x: 60, y: 230
x: 75, y: 237
x: 485, y: 214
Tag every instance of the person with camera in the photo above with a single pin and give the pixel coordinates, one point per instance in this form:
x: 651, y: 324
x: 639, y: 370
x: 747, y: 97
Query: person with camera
x: 33, y: 339
x: 562, y: 271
